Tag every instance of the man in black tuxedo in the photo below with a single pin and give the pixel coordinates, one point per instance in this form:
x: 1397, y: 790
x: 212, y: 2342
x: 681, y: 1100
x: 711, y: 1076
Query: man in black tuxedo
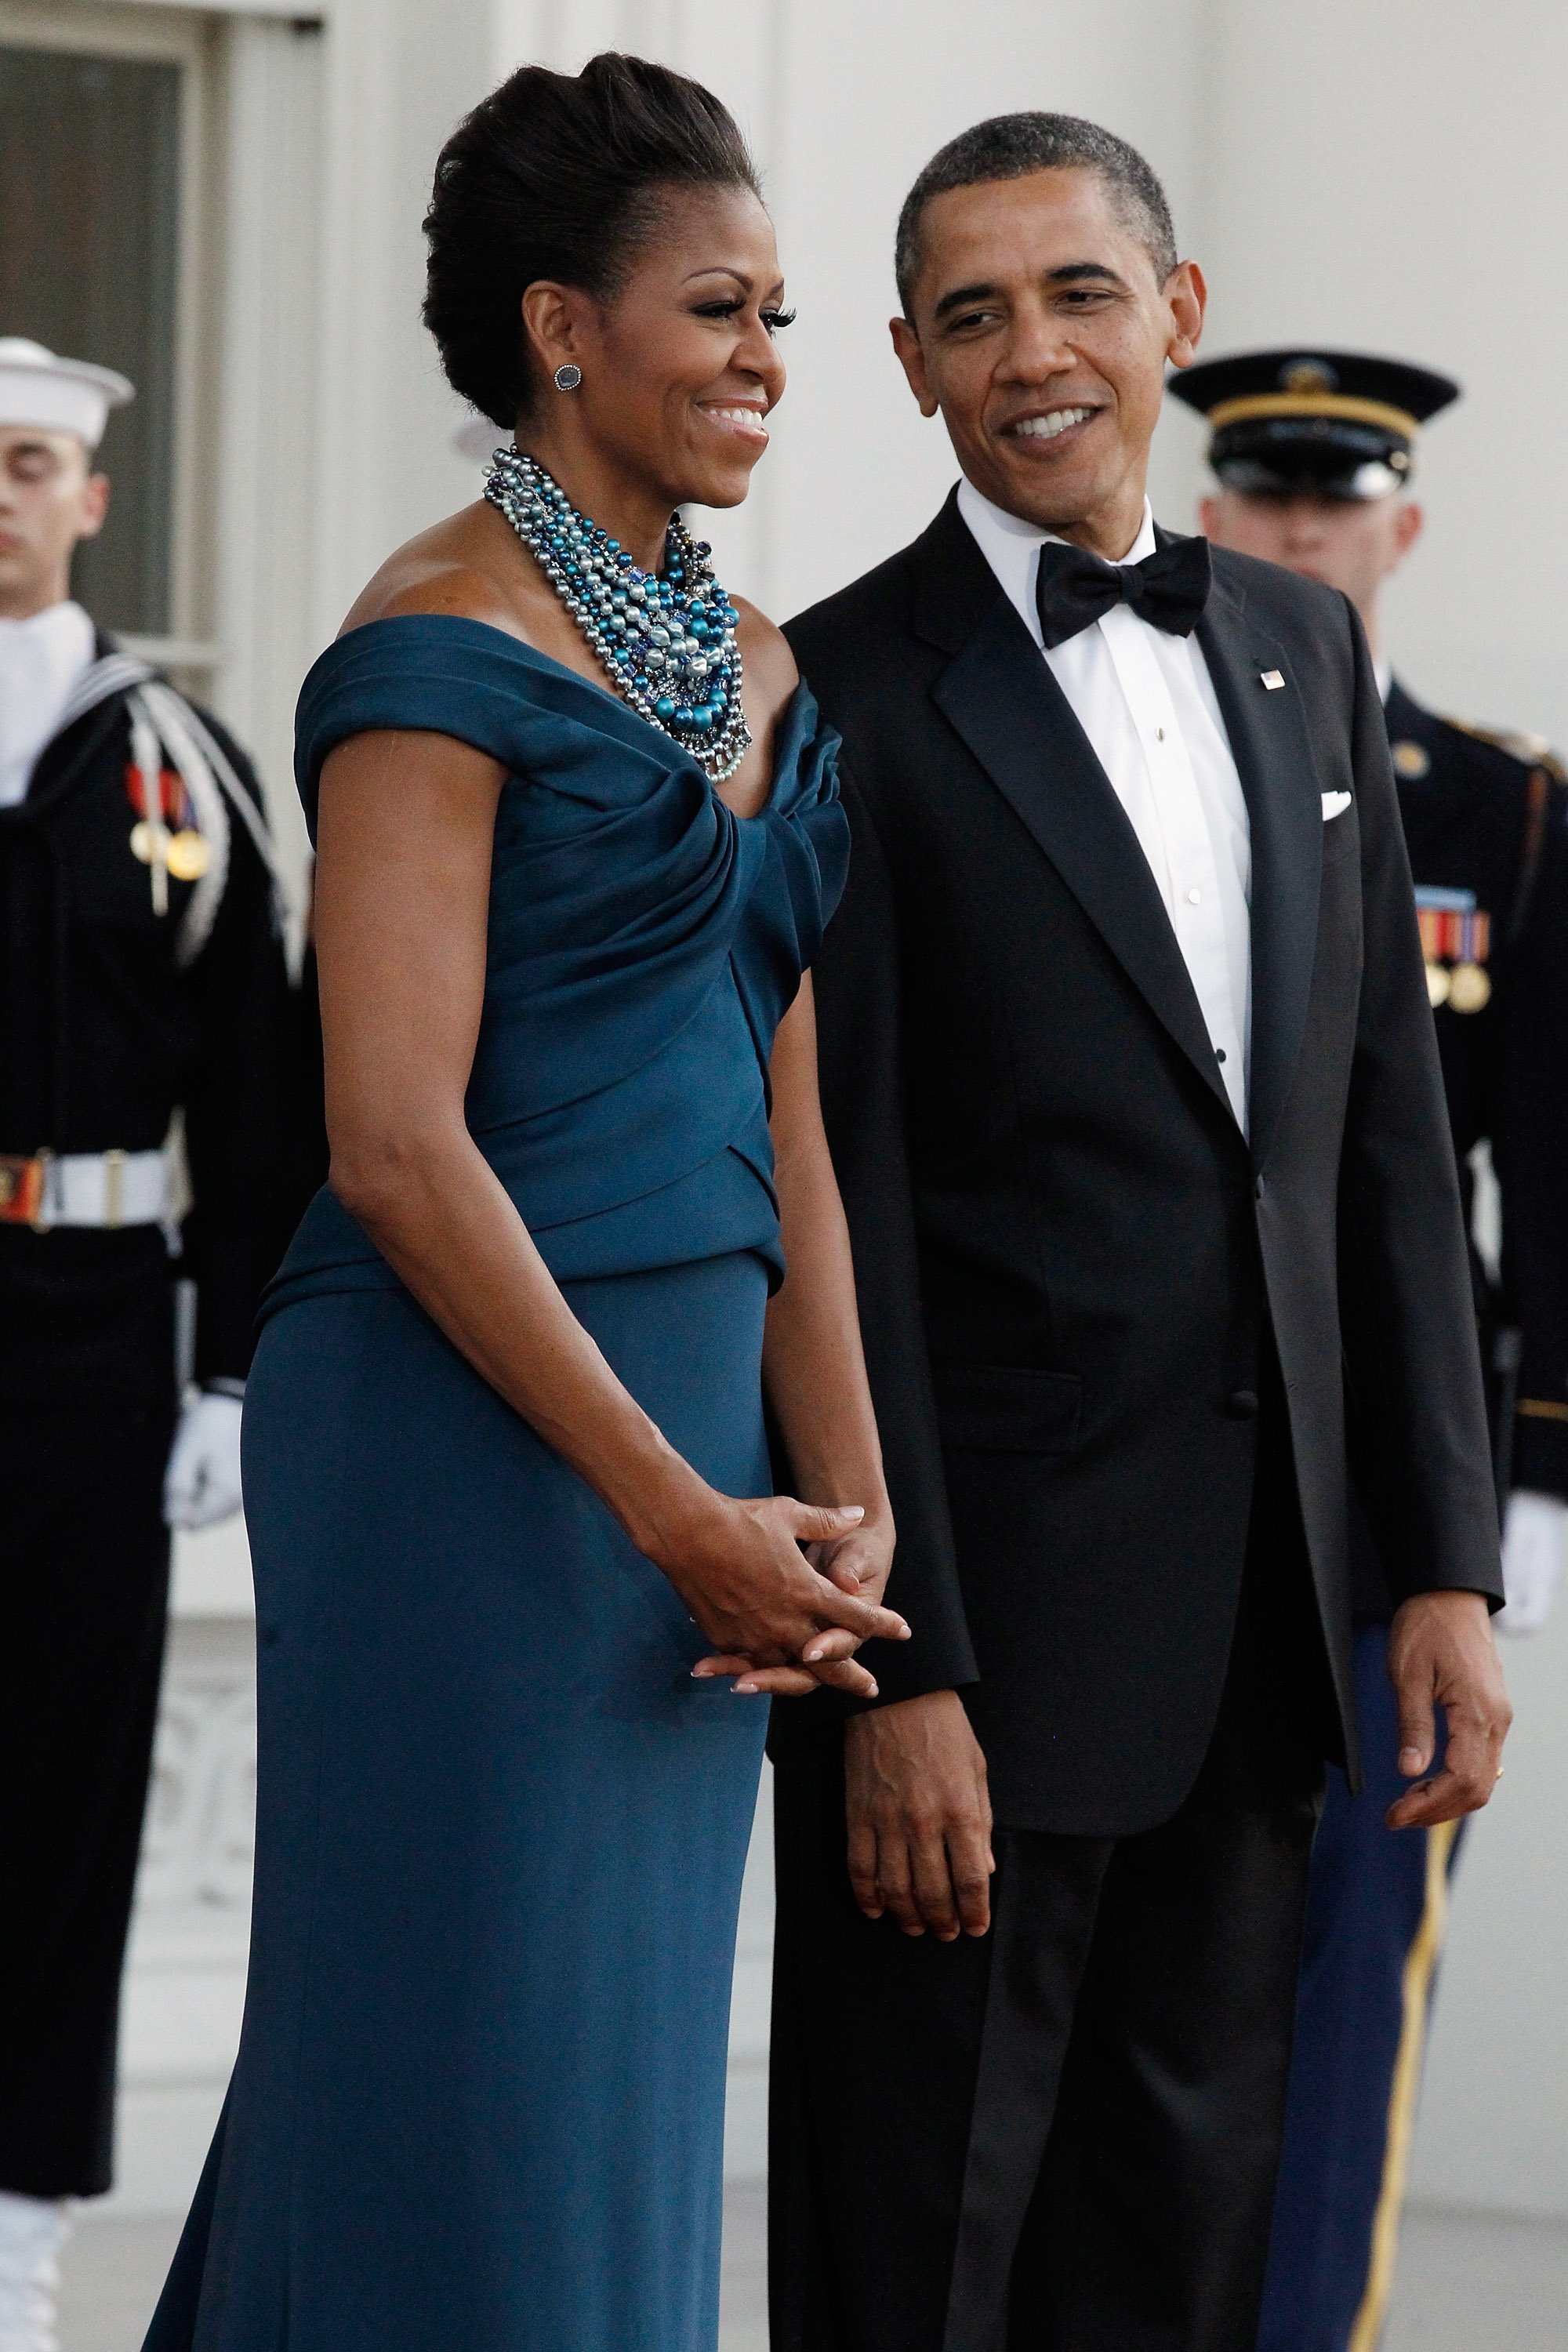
x: 1132, y: 1088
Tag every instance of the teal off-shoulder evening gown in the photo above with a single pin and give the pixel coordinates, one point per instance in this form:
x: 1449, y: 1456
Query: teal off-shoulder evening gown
x: 478, y: 2100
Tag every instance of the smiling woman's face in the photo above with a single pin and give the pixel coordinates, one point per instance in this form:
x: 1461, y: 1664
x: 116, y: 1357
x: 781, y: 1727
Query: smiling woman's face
x: 681, y: 369
x: 1042, y: 334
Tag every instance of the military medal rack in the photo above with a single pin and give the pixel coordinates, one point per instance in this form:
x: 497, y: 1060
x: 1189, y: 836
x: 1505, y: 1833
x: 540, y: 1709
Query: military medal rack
x: 163, y: 837
x: 1455, y: 940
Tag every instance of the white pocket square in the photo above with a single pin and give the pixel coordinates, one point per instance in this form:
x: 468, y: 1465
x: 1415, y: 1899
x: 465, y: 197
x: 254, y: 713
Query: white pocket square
x: 1335, y: 804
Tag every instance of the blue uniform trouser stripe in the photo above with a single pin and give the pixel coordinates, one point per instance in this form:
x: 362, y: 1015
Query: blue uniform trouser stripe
x: 1365, y: 1906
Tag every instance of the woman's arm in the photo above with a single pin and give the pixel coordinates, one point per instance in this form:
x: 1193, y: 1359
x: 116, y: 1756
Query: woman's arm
x: 402, y: 902
x: 811, y: 1361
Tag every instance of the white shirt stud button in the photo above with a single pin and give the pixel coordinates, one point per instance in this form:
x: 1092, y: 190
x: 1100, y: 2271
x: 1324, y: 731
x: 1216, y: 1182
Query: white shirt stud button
x: 1195, y: 898
x: 1159, y: 734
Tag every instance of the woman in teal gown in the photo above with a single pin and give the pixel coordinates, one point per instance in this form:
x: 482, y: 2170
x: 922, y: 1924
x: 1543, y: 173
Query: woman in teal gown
x: 515, y: 1541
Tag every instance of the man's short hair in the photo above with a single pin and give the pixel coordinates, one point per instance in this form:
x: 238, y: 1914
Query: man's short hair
x: 1009, y: 147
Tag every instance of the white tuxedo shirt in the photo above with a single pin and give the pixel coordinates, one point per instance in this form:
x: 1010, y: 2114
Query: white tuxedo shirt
x: 1147, y: 704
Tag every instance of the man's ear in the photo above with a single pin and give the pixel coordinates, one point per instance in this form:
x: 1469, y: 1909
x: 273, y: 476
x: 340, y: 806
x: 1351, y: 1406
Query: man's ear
x: 1208, y: 518
x: 913, y: 359
x: 93, y: 512
x: 1409, y: 524
x: 1187, y: 295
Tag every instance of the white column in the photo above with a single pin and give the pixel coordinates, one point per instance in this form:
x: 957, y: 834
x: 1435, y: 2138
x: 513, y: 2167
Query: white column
x: 267, y: 399
x: 400, y: 74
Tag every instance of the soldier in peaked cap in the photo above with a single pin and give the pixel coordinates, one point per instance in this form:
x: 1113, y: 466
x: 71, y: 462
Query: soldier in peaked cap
x: 1314, y: 454
x: 1333, y: 425
x: 142, y: 971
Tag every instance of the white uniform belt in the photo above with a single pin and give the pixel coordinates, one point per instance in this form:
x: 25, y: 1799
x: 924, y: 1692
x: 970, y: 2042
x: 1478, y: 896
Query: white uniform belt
x: 87, y: 1188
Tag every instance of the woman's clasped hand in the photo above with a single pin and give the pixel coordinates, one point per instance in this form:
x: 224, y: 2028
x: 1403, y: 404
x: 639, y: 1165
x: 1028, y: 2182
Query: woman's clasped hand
x: 786, y: 1591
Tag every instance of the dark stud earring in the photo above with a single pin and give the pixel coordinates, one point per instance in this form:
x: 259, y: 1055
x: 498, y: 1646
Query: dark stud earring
x: 568, y: 378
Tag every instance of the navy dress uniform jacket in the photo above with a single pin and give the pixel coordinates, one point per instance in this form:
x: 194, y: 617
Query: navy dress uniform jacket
x: 103, y: 1032
x: 1492, y: 820
x: 102, y: 1036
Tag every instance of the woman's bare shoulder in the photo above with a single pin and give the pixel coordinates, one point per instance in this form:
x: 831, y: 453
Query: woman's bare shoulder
x: 456, y: 569
x: 769, y: 664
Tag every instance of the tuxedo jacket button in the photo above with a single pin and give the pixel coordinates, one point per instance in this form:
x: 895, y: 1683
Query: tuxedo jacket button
x: 1241, y: 1404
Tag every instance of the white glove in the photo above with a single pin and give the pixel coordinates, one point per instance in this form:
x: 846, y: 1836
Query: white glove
x: 201, y: 1484
x: 32, y: 2231
x: 1533, y: 1547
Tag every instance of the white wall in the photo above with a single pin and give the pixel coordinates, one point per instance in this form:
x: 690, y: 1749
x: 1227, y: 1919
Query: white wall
x: 402, y: 73
x: 1396, y: 178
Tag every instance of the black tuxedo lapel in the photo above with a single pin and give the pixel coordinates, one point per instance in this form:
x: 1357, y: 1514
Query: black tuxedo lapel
x: 1273, y: 752
x: 1001, y: 698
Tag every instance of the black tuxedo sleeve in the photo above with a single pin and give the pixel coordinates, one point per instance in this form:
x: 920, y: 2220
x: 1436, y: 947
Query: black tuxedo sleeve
x: 1417, y: 1418
x: 856, y: 979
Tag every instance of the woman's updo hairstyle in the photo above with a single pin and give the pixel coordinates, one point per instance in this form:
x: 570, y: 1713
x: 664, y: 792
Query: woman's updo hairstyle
x: 559, y: 176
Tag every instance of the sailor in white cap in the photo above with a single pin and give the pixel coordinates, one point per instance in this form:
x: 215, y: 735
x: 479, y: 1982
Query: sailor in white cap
x: 52, y: 416
x: 38, y: 388
x: 141, y: 972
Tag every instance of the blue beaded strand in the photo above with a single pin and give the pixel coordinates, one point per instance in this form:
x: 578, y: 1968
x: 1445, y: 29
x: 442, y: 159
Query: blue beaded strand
x: 667, y: 639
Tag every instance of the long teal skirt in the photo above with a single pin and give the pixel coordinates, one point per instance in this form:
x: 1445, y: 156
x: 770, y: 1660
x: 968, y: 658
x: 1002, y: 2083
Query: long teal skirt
x: 479, y: 2102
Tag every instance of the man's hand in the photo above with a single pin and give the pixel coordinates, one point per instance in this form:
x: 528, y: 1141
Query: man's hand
x: 1441, y: 1653
x: 920, y: 1817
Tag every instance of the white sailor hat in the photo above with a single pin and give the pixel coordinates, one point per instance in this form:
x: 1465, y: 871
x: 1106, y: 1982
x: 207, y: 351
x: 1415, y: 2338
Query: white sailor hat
x: 57, y: 395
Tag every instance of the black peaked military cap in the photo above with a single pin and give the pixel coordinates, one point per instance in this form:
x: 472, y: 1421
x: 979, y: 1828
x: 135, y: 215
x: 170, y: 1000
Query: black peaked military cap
x: 1341, y: 424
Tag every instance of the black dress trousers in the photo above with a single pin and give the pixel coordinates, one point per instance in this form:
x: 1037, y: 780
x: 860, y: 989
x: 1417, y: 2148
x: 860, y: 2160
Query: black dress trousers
x: 1061, y: 2137
x: 84, y: 1574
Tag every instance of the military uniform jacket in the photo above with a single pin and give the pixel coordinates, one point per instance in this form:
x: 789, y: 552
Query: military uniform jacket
x: 112, y: 1016
x: 1484, y: 822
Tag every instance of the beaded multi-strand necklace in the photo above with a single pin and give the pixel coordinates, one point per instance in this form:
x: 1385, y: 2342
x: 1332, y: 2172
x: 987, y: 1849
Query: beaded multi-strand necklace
x: 667, y: 639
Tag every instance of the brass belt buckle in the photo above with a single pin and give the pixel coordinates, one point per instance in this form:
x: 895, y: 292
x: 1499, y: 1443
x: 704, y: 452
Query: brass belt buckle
x: 114, y: 1188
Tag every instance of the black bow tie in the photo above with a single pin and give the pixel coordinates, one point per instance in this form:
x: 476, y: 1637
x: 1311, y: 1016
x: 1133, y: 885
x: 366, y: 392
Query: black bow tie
x: 1169, y: 588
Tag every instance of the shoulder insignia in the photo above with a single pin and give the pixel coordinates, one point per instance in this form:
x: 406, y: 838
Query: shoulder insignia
x: 1531, y: 750
x: 1411, y: 761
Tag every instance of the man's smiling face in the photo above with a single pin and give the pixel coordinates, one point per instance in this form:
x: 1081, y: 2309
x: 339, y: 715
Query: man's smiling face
x: 1041, y: 332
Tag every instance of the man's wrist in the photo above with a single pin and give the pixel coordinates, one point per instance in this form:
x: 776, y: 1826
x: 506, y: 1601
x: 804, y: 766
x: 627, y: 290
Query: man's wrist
x: 835, y: 1482
x: 906, y: 1710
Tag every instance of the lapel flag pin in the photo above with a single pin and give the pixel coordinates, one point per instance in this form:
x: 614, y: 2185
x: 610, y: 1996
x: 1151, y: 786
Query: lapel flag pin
x: 1272, y: 679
